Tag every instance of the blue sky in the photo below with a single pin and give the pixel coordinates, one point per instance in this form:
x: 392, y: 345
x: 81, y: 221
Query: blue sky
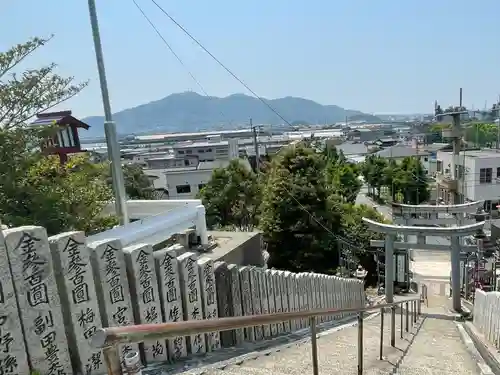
x: 375, y: 56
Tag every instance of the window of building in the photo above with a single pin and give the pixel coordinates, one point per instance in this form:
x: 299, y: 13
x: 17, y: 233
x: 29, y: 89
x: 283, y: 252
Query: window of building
x: 485, y: 175
x: 201, y: 186
x: 180, y: 151
x: 439, y: 165
x: 189, y: 151
x: 498, y: 172
x: 186, y: 162
x: 183, y: 189
x: 201, y: 151
x: 209, y: 150
x: 426, y: 159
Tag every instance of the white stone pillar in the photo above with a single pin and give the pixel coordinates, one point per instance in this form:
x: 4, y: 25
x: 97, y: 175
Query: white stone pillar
x: 389, y: 267
x: 10, y: 322
x: 78, y: 296
x: 209, y: 299
x: 167, y: 271
x: 191, y: 297
x: 40, y: 307
x: 110, y: 273
x: 455, y: 273
x: 201, y: 225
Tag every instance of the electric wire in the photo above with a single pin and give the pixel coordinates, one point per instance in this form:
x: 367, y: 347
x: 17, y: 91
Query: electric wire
x: 197, y: 42
x: 302, y: 207
x: 169, y: 46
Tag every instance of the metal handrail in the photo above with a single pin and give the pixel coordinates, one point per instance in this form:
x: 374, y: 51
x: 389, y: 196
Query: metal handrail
x: 109, y: 338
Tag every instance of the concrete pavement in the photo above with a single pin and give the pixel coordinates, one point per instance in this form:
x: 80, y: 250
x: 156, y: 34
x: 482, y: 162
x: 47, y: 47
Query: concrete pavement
x: 433, y: 346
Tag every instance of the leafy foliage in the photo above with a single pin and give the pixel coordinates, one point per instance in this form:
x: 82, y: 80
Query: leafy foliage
x: 35, y: 90
x: 303, y: 203
x: 137, y: 184
x: 297, y: 217
x: 35, y: 188
x: 406, y: 181
x: 232, y: 198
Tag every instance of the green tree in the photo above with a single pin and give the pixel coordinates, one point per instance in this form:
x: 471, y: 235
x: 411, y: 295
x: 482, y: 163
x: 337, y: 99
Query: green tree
x: 232, y: 198
x: 137, y: 184
x: 482, y: 135
x: 344, y: 181
x: 411, y: 182
x: 24, y: 95
x: 297, y: 216
x: 373, y: 173
x: 35, y: 188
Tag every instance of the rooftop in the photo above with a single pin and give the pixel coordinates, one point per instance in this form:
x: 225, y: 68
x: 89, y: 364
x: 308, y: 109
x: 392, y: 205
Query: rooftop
x: 401, y: 152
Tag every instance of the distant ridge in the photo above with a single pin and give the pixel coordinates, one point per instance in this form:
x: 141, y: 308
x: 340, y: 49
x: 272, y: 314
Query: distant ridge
x: 189, y: 112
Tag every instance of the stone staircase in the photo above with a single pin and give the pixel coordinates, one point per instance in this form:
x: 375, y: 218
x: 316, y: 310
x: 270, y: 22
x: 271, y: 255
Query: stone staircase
x: 432, y: 346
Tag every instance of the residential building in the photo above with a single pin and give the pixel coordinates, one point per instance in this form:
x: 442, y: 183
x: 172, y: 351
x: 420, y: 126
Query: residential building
x: 214, y: 148
x: 186, y: 183
x: 399, y: 152
x: 364, y: 134
x: 477, y: 176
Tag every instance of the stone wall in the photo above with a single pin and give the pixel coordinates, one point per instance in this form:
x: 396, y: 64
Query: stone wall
x: 55, y: 292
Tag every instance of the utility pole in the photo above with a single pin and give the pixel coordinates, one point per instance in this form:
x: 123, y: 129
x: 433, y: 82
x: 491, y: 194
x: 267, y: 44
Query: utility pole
x: 256, y: 147
x: 455, y: 133
x: 109, y: 125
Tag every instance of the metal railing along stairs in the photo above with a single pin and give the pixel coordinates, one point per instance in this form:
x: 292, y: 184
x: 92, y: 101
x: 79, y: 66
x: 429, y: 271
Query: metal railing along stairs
x: 108, y: 339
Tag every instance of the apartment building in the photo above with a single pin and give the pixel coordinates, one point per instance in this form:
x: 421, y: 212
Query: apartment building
x: 214, y: 148
x: 477, y: 176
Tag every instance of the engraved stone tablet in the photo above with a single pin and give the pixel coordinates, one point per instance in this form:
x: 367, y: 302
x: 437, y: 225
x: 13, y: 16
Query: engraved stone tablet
x: 75, y: 280
x: 113, y: 294
x: 38, y: 298
x: 167, y: 271
x: 145, y: 298
x: 191, y: 297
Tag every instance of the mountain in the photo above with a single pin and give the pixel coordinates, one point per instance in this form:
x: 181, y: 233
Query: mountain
x: 189, y: 112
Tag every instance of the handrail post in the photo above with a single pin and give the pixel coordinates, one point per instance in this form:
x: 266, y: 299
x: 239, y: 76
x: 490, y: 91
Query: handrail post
x: 112, y: 360
x: 393, y: 326
x: 360, y: 343
x: 407, y: 316
x: 314, y: 345
x: 415, y: 312
x: 382, y: 313
x: 401, y: 315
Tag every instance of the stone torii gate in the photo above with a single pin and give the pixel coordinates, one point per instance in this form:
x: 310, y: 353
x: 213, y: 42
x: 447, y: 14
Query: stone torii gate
x: 454, y: 233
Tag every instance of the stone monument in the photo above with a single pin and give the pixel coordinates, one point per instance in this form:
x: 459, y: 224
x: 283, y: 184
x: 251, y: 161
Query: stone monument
x: 167, y: 271
x: 41, y: 316
x: 145, y: 297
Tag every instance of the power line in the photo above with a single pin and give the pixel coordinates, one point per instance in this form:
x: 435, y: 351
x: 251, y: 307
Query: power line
x: 167, y: 44
x: 220, y: 63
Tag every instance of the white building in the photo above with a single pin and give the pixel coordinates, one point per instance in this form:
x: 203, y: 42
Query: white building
x: 214, y: 148
x: 183, y: 176
x: 186, y: 183
x: 477, y: 176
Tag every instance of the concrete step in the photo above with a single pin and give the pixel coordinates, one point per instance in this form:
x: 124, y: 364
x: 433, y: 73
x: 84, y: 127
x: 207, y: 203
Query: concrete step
x: 337, y: 353
x: 244, y: 370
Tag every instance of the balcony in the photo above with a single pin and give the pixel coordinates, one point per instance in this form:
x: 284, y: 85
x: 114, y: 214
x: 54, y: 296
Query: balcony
x: 446, y: 181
